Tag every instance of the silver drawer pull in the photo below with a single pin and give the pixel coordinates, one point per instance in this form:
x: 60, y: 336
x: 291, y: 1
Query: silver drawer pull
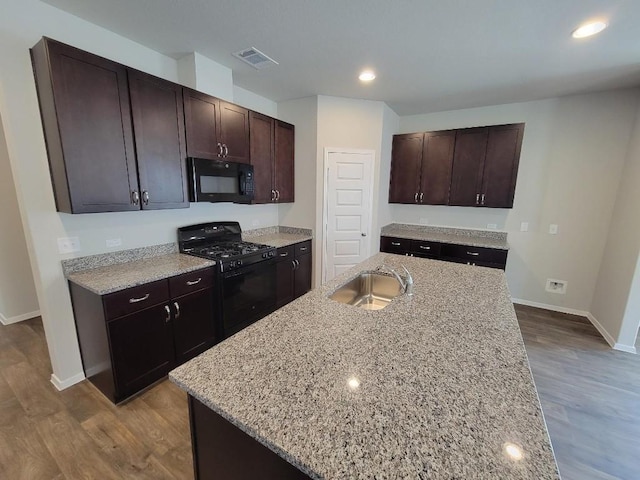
x: 285, y: 254
x: 168, y: 310
x: 425, y: 248
x: 303, y: 249
x: 395, y: 244
x: 194, y: 282
x: 141, y: 299
x: 175, y: 304
x: 475, y: 254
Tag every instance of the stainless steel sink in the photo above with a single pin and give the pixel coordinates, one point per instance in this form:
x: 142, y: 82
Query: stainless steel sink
x: 369, y: 290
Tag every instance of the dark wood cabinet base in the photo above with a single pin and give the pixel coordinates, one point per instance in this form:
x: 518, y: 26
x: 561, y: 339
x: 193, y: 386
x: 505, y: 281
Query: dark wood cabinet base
x: 221, y: 451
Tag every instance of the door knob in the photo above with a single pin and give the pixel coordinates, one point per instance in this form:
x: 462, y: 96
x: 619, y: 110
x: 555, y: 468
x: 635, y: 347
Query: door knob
x: 363, y: 234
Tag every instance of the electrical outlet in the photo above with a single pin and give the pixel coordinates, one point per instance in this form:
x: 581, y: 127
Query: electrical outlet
x: 114, y: 242
x: 556, y: 286
x: 492, y: 226
x: 68, y: 245
x: 524, y: 227
x: 553, y: 229
x: 424, y: 221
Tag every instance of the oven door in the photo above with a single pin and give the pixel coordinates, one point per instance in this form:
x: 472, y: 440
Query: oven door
x: 219, y: 181
x: 248, y: 294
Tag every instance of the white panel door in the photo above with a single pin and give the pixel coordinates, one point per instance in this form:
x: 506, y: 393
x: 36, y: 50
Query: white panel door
x: 348, y: 205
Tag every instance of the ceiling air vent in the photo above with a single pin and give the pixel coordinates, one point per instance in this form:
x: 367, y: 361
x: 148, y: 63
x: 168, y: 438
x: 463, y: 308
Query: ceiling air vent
x: 255, y: 58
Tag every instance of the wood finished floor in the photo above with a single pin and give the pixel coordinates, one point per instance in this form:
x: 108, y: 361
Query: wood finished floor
x: 590, y: 396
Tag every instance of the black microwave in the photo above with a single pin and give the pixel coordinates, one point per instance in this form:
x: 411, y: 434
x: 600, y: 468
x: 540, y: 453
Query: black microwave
x: 219, y: 181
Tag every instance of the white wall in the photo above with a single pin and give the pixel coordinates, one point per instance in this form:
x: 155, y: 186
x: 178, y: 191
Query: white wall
x: 616, y: 302
x: 573, y: 152
x: 18, y: 299
x: 22, y: 24
x: 254, y: 102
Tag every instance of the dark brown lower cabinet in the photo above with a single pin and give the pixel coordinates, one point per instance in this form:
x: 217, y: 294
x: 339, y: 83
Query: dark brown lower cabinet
x: 221, y: 451
x: 293, y: 272
x: 480, y: 256
x: 131, y: 338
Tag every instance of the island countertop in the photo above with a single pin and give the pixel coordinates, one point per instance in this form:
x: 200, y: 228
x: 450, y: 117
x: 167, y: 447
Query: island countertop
x: 436, y: 385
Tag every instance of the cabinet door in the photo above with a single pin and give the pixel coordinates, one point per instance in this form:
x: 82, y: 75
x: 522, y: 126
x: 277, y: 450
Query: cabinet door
x: 233, y: 132
x: 501, y: 165
x: 437, y: 162
x: 400, y: 246
x: 158, y: 125
x: 468, y: 165
x: 406, y: 159
x: 262, y: 137
x: 302, y: 279
x: 284, y: 281
x: 193, y: 324
x: 201, y: 117
x: 284, y: 161
x: 142, y: 348
x: 84, y: 104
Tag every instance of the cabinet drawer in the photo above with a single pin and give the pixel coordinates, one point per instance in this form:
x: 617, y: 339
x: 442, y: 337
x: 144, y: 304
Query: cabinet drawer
x: 395, y: 245
x: 190, y: 282
x: 475, y: 255
x: 303, y: 248
x: 285, y: 253
x: 136, y: 298
x: 423, y: 248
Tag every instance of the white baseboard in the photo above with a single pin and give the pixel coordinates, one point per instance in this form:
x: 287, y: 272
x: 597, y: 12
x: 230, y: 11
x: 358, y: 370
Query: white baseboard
x: 594, y: 321
x: 66, y: 383
x: 18, y: 318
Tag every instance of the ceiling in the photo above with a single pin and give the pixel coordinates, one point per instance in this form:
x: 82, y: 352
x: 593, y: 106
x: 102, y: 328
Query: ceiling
x: 429, y: 55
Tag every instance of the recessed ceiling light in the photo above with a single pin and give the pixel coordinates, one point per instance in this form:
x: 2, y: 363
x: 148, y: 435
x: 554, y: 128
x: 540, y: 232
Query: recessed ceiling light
x: 367, y: 76
x: 588, y: 29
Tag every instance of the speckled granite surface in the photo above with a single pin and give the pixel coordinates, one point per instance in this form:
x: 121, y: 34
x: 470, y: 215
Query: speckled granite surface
x: 112, y: 278
x: 440, y: 381
x: 122, y: 256
x: 461, y: 236
x: 278, y: 236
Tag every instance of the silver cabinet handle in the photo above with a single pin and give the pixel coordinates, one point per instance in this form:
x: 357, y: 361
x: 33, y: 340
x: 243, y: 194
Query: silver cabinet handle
x: 191, y: 283
x: 175, y: 304
x: 473, y: 254
x: 141, y: 299
x: 226, y: 150
x: 277, y: 194
x: 219, y: 149
x: 482, y: 199
x: 273, y: 195
x: 303, y: 249
x: 145, y: 197
x: 293, y: 264
x: 415, y: 197
x: 297, y: 263
x: 395, y: 244
x: 421, y: 196
x: 168, y: 310
x: 425, y: 248
x: 477, y: 199
x: 135, y: 197
x: 285, y: 254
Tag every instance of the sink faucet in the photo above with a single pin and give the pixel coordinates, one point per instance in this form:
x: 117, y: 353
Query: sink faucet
x: 405, y: 283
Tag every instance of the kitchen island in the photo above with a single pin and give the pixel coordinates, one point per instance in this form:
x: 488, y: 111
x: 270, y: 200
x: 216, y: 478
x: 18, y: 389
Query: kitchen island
x: 436, y: 385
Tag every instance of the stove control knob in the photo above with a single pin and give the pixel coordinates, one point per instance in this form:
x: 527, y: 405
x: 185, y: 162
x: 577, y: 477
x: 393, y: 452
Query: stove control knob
x: 272, y: 254
x: 238, y: 263
x: 264, y: 255
x: 232, y: 264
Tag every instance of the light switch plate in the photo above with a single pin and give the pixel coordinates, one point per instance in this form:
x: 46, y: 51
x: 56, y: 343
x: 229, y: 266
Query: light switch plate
x: 553, y: 229
x: 68, y: 245
x: 524, y: 227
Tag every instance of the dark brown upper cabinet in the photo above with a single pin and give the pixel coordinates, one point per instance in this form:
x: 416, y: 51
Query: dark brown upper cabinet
x: 485, y: 166
x: 272, y: 156
x: 86, y: 116
x: 216, y: 129
x: 158, y: 126
x: 421, y: 168
x: 474, y: 167
x: 99, y: 160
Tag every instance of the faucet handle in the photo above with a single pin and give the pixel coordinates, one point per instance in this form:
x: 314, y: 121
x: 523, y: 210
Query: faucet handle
x: 409, y: 277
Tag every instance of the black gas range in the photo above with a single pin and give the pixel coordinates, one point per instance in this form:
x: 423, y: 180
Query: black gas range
x: 246, y: 272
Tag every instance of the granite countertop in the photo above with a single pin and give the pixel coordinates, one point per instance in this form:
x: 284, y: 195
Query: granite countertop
x: 112, y: 278
x: 436, y: 385
x: 280, y: 239
x: 472, y: 238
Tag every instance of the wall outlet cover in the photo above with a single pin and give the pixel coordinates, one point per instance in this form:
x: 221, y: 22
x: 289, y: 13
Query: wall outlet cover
x: 556, y: 286
x: 68, y: 245
x: 492, y: 226
x: 524, y: 227
x: 553, y: 229
x: 114, y: 242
